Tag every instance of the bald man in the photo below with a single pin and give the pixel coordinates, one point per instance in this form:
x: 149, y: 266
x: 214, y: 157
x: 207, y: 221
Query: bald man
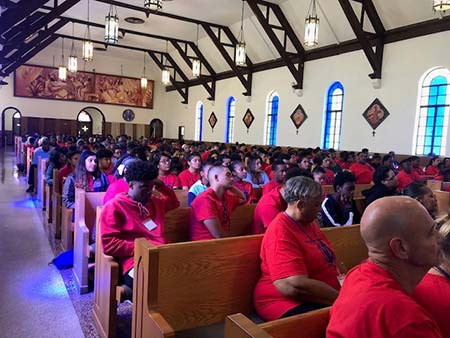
x: 211, y: 210
x: 375, y: 300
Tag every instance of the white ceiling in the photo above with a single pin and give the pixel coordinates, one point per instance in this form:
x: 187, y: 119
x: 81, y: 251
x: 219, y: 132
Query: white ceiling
x: 334, y: 26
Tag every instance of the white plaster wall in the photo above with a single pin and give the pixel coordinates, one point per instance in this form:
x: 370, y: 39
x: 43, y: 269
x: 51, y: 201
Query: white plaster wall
x: 404, y: 64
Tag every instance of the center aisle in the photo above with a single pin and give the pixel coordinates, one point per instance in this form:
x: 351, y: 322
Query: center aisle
x: 33, y: 301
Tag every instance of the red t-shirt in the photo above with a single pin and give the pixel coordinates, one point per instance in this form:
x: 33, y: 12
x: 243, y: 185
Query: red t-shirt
x: 418, y: 171
x: 187, y: 178
x: 267, y: 208
x: 114, y: 189
x: 207, y: 206
x: 329, y: 177
x: 363, y: 172
x: 432, y: 171
x: 433, y: 294
x: 246, y: 188
x: 172, y: 181
x: 404, y: 179
x: 290, y: 249
x: 372, y: 304
x: 268, y: 187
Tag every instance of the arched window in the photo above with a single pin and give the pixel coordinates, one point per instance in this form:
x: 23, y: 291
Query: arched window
x: 198, y: 121
x: 84, y: 117
x: 231, y: 109
x: 433, y: 110
x: 270, y: 135
x: 333, y: 116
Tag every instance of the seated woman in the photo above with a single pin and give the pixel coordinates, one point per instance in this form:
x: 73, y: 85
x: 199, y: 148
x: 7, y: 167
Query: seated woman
x: 163, y: 162
x: 432, y: 169
x: 239, y: 173
x: 385, y: 184
x: 433, y: 292
x: 255, y: 174
x: 136, y: 214
x: 298, y: 265
x: 56, y: 160
x: 424, y: 195
x: 339, y: 209
x: 86, y: 176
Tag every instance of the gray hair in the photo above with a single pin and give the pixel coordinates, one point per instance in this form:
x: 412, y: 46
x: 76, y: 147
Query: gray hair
x: 301, y: 188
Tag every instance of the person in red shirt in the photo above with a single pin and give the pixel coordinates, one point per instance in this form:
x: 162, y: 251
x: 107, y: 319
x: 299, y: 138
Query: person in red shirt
x: 329, y: 174
x: 362, y: 170
x: 163, y: 162
x: 424, y: 195
x: 136, y: 214
x: 415, y: 166
x: 239, y: 173
x: 192, y: 174
x: 104, y: 161
x: 432, y: 167
x: 72, y: 158
x: 405, y: 177
x: 279, y: 169
x: 375, y: 300
x: 211, y: 210
x: 433, y: 292
x: 298, y: 265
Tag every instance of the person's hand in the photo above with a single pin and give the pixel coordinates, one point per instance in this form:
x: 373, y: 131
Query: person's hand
x: 347, y: 200
x: 158, y: 183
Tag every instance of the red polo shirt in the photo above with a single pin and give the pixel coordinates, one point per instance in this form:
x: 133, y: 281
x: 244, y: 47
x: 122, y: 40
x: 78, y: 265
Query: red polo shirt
x: 267, y: 208
x: 187, y: 178
x: 329, y: 177
x: 270, y: 186
x: 363, y: 172
x: 404, y: 179
x: 207, y: 206
x: 372, y: 304
x: 290, y: 249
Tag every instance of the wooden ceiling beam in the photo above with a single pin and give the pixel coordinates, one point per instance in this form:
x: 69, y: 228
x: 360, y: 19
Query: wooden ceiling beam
x: 15, y: 15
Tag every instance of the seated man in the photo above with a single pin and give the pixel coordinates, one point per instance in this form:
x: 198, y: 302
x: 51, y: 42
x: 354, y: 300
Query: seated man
x: 339, y: 208
x: 278, y: 176
x: 104, y: 161
x: 362, y: 170
x: 211, y: 210
x: 406, y: 176
x: 375, y: 299
x: 136, y: 214
x: 201, y: 185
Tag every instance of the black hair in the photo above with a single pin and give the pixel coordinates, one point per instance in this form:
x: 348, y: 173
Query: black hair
x: 416, y: 190
x: 294, y: 172
x: 380, y: 174
x: 54, y: 158
x: 190, y: 156
x: 140, y: 171
x: 103, y: 153
x: 342, y: 178
x: 431, y: 160
x: 176, y: 165
x: 234, y: 164
x: 277, y: 163
x: 318, y: 170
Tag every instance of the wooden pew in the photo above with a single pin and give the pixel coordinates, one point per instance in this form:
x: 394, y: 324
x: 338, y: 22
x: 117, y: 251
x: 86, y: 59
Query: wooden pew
x: 443, y: 201
x: 434, y: 184
x: 42, y: 168
x: 184, y: 286
x: 256, y: 195
x: 86, y: 204
x: 182, y: 196
x: 56, y: 203
x: 29, y: 159
x: 308, y: 325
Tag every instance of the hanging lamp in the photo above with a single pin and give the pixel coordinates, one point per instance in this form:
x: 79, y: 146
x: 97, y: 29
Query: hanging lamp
x: 312, y: 26
x: 153, y: 5
x: 165, y: 75
x: 196, y: 64
x: 441, y: 5
x: 72, y: 60
x: 240, y: 56
x: 144, y: 80
x: 112, y: 26
x: 62, y: 70
x: 88, y: 46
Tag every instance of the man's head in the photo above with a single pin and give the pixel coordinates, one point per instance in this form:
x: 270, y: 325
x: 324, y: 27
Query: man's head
x: 220, y: 177
x: 204, y: 172
x: 401, y: 235
x: 362, y: 157
x: 344, y: 184
x: 319, y: 174
x: 140, y: 176
x: 424, y: 195
x: 104, y: 158
x: 406, y: 165
x: 279, y: 169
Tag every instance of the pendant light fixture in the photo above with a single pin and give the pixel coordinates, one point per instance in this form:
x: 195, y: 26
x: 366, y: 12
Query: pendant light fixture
x: 62, y: 70
x: 441, y: 5
x: 153, y: 5
x: 165, y: 75
x: 196, y: 64
x: 312, y: 26
x: 112, y: 26
x: 88, y: 46
x: 72, y: 61
x: 240, y: 57
x: 144, y: 80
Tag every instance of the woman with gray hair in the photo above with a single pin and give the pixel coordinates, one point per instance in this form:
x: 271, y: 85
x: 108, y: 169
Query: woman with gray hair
x: 298, y: 265
x: 433, y: 292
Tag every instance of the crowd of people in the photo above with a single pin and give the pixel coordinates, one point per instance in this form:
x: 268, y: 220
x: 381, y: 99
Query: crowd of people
x: 402, y: 290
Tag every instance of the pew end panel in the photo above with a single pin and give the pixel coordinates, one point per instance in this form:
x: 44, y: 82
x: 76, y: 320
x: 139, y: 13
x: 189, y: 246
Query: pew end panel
x: 239, y: 326
x: 176, y: 225
x: 443, y: 201
x: 66, y: 227
x: 347, y: 243
x: 434, y: 184
x: 193, y: 284
x: 241, y: 220
x: 106, y: 281
x: 182, y: 196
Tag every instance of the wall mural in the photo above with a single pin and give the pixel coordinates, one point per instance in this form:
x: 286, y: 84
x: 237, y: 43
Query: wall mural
x: 43, y: 83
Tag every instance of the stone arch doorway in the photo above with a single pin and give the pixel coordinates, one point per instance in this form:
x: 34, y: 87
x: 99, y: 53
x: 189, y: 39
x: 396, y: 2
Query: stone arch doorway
x: 11, y: 125
x: 156, y: 129
x: 90, y: 121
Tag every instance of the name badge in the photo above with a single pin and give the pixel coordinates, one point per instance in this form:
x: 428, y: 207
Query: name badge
x: 150, y: 225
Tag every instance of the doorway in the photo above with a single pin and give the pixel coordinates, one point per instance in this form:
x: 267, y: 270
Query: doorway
x: 95, y: 117
x: 11, y: 126
x: 156, y: 129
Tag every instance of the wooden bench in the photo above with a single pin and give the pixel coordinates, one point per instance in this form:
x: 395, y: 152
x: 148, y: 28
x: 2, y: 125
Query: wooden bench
x: 434, y: 184
x: 185, y: 286
x: 41, y: 169
x: 182, y: 196
x: 86, y: 204
x: 308, y: 325
x: 443, y: 201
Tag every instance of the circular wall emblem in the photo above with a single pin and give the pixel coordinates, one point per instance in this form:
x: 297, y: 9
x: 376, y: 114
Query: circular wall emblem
x: 128, y: 115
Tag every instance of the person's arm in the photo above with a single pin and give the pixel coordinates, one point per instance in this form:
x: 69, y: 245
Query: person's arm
x: 170, y: 201
x: 49, y: 175
x: 304, y: 289
x: 329, y: 213
x: 191, y: 198
x: 238, y: 193
x: 68, y: 195
x: 111, y: 221
x: 213, y: 226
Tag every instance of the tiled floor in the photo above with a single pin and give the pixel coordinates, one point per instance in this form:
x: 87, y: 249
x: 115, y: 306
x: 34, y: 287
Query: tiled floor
x: 37, y: 300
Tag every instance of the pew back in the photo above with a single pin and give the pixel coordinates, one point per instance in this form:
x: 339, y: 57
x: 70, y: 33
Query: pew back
x: 182, y: 196
x: 434, y: 184
x: 443, y: 201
